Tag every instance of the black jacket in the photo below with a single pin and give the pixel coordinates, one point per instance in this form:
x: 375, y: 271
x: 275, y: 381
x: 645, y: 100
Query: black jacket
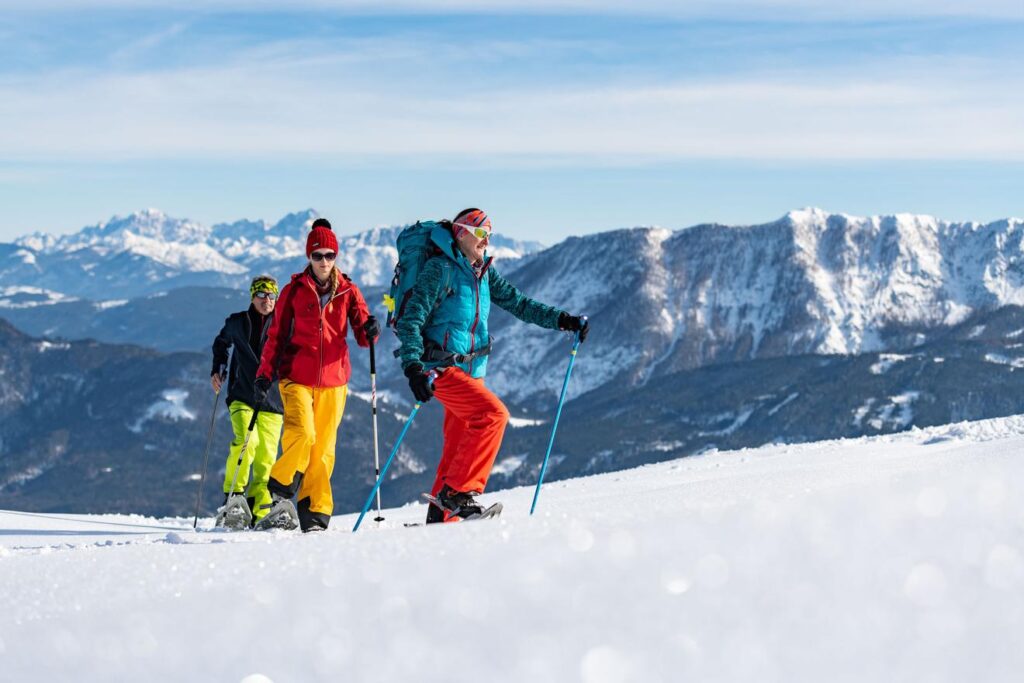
x: 239, y: 332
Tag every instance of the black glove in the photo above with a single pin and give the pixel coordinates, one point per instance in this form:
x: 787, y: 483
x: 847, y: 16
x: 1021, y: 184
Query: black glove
x: 419, y: 382
x: 259, y: 390
x: 372, y: 328
x: 574, y: 323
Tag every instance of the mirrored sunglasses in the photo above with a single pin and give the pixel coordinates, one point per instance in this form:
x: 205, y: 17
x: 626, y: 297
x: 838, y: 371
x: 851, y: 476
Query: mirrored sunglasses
x: 480, y: 232
x: 323, y: 256
x: 265, y: 295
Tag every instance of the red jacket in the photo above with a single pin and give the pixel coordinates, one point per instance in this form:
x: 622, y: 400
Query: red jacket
x: 306, y: 343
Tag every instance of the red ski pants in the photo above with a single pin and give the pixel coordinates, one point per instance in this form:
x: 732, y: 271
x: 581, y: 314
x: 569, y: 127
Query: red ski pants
x: 474, y: 424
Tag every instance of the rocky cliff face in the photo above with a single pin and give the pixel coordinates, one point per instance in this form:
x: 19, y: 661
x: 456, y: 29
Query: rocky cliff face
x: 809, y: 283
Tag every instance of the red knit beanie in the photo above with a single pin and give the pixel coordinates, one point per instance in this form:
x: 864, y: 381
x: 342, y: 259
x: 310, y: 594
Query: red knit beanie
x: 321, y: 237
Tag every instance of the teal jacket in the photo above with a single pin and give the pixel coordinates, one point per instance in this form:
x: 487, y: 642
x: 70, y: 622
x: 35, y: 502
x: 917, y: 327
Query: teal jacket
x: 451, y: 302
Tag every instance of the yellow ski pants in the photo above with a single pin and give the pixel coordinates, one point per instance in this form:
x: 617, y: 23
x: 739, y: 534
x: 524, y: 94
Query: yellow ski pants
x: 311, y: 419
x: 259, y: 454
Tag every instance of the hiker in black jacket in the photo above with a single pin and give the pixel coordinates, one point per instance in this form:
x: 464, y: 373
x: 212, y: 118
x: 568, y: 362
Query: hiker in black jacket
x: 245, y: 332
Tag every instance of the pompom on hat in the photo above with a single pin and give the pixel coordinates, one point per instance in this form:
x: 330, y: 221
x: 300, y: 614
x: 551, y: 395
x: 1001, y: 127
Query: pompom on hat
x: 321, y: 237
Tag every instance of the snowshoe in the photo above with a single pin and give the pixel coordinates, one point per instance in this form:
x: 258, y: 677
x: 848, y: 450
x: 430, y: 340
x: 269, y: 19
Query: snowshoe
x: 460, y: 504
x: 282, y: 515
x: 235, y: 514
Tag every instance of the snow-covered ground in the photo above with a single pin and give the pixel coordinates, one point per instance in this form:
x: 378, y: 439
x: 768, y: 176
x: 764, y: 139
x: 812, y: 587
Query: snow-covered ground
x: 897, y: 558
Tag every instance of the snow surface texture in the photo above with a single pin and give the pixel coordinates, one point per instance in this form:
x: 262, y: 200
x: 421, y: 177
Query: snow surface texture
x: 896, y: 558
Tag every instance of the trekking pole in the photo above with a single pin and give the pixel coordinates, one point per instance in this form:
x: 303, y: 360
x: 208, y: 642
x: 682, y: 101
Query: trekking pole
x: 373, y: 407
x: 558, y: 414
x: 206, y: 453
x: 387, y: 463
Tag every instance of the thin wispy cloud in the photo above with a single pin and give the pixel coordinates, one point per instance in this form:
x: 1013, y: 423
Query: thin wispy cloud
x: 289, y: 100
x: 128, y: 102
x: 147, y: 43
x: 731, y: 9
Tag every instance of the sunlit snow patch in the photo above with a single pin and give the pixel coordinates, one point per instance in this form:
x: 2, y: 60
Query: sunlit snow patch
x: 172, y: 407
x: 899, y: 413
x: 524, y: 422
x: 886, y: 361
x: 737, y: 422
x: 860, y: 413
x: 44, y: 346
x: 1000, y: 359
x: 29, y: 297
x: 789, y: 399
x: 509, y: 465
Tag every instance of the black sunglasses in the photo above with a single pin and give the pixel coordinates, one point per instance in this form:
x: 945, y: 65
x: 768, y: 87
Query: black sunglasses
x: 317, y: 256
x: 265, y: 295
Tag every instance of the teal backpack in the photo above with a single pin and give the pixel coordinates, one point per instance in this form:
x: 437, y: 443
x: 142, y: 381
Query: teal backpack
x: 415, y: 247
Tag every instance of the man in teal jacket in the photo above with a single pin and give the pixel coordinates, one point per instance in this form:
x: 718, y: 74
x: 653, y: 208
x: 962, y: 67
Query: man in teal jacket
x: 443, y: 329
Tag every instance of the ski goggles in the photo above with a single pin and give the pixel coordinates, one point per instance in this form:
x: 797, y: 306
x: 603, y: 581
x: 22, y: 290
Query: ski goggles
x: 479, y: 231
x: 265, y: 295
x: 323, y: 256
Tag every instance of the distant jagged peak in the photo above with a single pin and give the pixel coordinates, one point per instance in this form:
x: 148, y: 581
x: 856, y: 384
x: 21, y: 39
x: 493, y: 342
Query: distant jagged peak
x: 817, y: 218
x: 296, y: 224
x: 151, y: 223
x: 808, y: 216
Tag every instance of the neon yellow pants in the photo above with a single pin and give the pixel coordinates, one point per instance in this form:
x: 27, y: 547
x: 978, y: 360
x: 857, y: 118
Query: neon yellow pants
x: 260, y: 455
x: 311, y: 419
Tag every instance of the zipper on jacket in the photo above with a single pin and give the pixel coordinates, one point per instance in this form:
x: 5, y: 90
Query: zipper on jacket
x: 320, y: 320
x: 476, y: 319
x: 320, y: 367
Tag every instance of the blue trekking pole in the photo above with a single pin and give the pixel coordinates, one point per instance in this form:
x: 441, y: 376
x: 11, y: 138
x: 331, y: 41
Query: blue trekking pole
x: 387, y: 464
x: 561, y: 400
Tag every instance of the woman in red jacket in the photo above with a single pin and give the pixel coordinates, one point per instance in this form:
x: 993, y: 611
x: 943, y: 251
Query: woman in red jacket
x: 307, y: 352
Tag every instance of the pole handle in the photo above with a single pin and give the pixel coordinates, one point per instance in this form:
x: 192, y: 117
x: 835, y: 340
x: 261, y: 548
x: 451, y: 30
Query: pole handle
x: 255, y: 414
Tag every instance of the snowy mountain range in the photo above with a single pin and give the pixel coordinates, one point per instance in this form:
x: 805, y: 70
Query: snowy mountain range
x: 149, y: 252
x: 661, y: 301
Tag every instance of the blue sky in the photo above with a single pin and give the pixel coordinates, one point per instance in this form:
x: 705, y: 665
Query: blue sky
x: 559, y: 117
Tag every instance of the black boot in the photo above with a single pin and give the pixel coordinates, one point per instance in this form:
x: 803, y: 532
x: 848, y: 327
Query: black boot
x: 434, y: 514
x: 459, y: 503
